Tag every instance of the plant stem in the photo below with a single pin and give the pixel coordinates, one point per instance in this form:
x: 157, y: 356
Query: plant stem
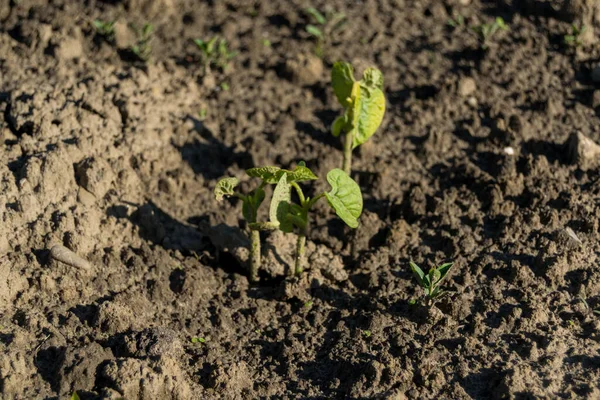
x: 254, y: 254
x: 348, y: 152
x: 300, y: 252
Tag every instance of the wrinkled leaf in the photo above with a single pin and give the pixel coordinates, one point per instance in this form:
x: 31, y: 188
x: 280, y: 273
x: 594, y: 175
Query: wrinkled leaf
x: 368, y: 112
x: 345, y: 197
x: 269, y: 174
x: 280, y: 204
x: 373, y: 78
x: 225, y: 187
x: 418, y: 273
x: 300, y: 173
x: 342, y: 80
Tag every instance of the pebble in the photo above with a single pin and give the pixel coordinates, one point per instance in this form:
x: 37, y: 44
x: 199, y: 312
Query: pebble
x: 509, y: 150
x: 64, y: 255
x: 466, y: 87
x: 582, y: 150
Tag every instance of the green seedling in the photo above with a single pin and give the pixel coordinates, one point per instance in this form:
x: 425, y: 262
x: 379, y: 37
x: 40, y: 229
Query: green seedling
x: 105, y: 29
x: 587, y: 307
x: 432, y: 280
x: 202, y: 114
x: 198, y: 340
x: 323, y: 26
x: 266, y: 43
x: 575, y: 37
x: 456, y: 22
x: 345, y: 198
x: 143, y: 45
x: 308, y: 304
x: 214, y: 53
x: 364, y: 107
x: 485, y: 32
x: 75, y: 396
x: 366, y: 333
x: 224, y: 86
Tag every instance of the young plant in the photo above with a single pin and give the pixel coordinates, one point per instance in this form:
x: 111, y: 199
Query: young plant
x: 323, y: 27
x: 364, y: 107
x: 486, y: 32
x: 345, y: 198
x: 105, y: 29
x: 574, y: 39
x: 456, y: 22
x: 431, y: 281
x: 215, y: 52
x: 143, y: 46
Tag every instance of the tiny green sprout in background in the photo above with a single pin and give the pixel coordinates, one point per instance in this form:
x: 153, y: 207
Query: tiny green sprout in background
x: 457, y: 21
x: 366, y: 333
x: 202, y: 114
x: 345, y: 198
x: 198, y: 340
x: 364, y: 107
x: 224, y: 86
x: 105, y: 29
x: 143, y: 45
x: 432, y: 280
x: 308, y: 304
x: 266, y: 43
x: 323, y: 26
x: 486, y: 32
x: 215, y: 53
x: 258, y: 331
x: 75, y: 396
x: 575, y: 37
x: 587, y: 307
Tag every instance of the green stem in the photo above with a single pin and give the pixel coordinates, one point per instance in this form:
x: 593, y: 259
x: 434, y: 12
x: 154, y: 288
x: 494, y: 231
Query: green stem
x: 300, y: 192
x: 312, y: 201
x: 300, y: 252
x: 348, y: 152
x: 254, y: 255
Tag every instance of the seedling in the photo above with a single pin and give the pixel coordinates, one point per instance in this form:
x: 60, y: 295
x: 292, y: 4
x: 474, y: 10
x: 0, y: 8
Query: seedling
x: 364, y: 107
x: 105, y: 29
x: 345, y: 198
x: 456, y: 22
x: 431, y: 281
x: 366, y: 333
x: 143, y: 46
x: 198, y: 340
x: 486, y: 32
x: 323, y: 27
x: 75, y: 396
x: 587, y: 307
x: 214, y: 53
x: 575, y: 37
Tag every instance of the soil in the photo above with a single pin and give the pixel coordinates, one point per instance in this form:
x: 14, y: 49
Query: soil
x: 486, y: 157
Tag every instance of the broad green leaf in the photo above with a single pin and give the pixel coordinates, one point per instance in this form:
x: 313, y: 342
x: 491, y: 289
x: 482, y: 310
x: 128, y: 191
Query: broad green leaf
x: 225, y: 187
x: 368, y: 112
x: 418, y: 273
x: 280, y: 204
x: 345, y: 197
x: 338, y: 125
x: 313, y: 30
x: 373, y: 78
x: 300, y: 173
x: 444, y: 269
x: 269, y: 174
x: 316, y: 14
x: 342, y: 80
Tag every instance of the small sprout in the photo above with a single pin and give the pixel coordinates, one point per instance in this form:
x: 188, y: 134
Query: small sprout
x: 456, y: 22
x: 432, y: 280
x: 257, y: 331
x: 412, y: 302
x: 224, y: 86
x: 364, y: 107
x: 75, y: 396
x: 486, y: 32
x: 366, y: 333
x: 575, y: 37
x: 105, y: 29
x: 198, y: 340
x: 308, y: 304
x: 143, y: 45
x: 202, y: 114
x: 323, y: 26
x: 266, y: 43
x: 214, y: 53
x: 587, y: 307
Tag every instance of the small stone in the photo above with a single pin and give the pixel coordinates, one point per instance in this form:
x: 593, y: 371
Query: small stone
x: 472, y: 102
x: 509, y: 150
x: 466, y: 87
x: 65, y: 255
x: 582, y: 150
x: 95, y: 175
x: 69, y: 49
x: 304, y: 69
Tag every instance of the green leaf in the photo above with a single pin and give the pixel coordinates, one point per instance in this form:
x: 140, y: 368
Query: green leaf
x: 342, y: 80
x: 373, y: 78
x: 319, y: 18
x: 338, y: 125
x: 368, y: 111
x: 198, y: 340
x: 251, y: 204
x: 345, y: 197
x: 444, y: 269
x: 300, y: 173
x: 269, y: 174
x: 313, y: 30
x: 225, y: 187
x: 418, y: 273
x: 75, y: 396
x: 280, y: 204
x: 434, y: 276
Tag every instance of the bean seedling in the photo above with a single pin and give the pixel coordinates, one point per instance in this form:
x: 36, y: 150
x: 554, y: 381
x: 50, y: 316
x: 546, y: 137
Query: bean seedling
x: 486, y: 32
x: 364, y: 107
x: 431, y: 281
x: 105, y: 29
x: 574, y: 38
x: 323, y: 27
x: 143, y: 46
x: 214, y: 52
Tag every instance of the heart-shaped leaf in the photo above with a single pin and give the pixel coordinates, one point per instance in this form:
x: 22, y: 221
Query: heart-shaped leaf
x: 225, y: 187
x: 280, y: 204
x: 342, y: 79
x: 345, y: 197
x: 368, y: 111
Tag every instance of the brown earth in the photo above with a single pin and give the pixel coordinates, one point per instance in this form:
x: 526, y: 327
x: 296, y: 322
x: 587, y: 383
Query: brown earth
x: 116, y: 160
